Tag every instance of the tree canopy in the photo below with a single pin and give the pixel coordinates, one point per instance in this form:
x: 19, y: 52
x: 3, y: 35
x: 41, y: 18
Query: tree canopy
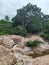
x: 30, y: 17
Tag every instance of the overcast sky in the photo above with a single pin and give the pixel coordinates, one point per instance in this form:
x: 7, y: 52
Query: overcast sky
x: 9, y: 7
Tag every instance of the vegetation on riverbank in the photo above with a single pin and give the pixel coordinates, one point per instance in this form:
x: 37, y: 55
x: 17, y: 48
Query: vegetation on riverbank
x: 28, y: 19
x: 32, y: 44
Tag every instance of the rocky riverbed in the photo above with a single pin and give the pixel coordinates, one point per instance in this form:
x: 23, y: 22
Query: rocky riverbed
x: 14, y: 52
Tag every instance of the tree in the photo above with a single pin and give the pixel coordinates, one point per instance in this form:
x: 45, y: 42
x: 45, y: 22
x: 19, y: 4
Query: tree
x: 19, y: 30
x: 46, y: 28
x: 29, y: 17
x: 7, y: 18
x: 45, y: 23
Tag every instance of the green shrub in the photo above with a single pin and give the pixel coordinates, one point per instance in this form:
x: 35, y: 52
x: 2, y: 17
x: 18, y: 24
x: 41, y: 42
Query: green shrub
x: 19, y: 30
x: 4, y: 33
x: 34, y: 43
x: 45, y: 36
x: 5, y: 27
x: 42, y: 34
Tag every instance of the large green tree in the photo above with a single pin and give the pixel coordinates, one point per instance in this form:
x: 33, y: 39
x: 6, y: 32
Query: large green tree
x: 7, y: 18
x: 26, y: 13
x: 30, y: 17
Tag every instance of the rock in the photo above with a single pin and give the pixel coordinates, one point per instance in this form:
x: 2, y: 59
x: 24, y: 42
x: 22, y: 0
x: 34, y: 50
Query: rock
x: 3, y: 51
x: 38, y: 50
x: 8, y: 60
x: 30, y: 53
x: 16, y: 38
x: 28, y: 62
x: 6, y: 56
x: 19, y: 63
x: 19, y: 40
x: 21, y: 45
x: 14, y: 52
x: 1, y: 63
x: 44, y: 46
x: 20, y: 50
x: 24, y: 51
x: 27, y: 51
x: 44, y: 60
x: 7, y: 42
x: 20, y: 57
x: 41, y: 48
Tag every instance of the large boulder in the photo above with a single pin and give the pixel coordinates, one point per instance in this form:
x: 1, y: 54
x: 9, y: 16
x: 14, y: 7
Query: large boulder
x: 16, y: 38
x: 8, y: 60
x: 20, y: 57
x: 28, y: 61
x: 42, y: 49
x: 3, y: 51
x: 7, y: 42
x: 44, y: 60
x: 24, y: 51
x: 6, y: 56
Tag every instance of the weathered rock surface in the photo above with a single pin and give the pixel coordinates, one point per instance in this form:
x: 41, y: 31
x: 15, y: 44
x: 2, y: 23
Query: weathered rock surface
x: 13, y: 51
x: 7, y: 42
x: 7, y: 60
x: 16, y: 38
x: 3, y: 51
x: 37, y: 61
x: 6, y: 56
x: 44, y: 60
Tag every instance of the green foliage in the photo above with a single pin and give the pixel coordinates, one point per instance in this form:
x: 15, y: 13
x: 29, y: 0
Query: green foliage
x: 46, y: 30
x: 3, y: 33
x: 29, y: 17
x: 19, y: 30
x: 45, y: 36
x: 34, y: 43
x: 42, y: 34
x: 5, y: 27
x: 7, y: 18
x: 33, y: 27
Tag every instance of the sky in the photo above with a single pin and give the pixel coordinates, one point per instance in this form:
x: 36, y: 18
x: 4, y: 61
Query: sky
x: 9, y: 7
